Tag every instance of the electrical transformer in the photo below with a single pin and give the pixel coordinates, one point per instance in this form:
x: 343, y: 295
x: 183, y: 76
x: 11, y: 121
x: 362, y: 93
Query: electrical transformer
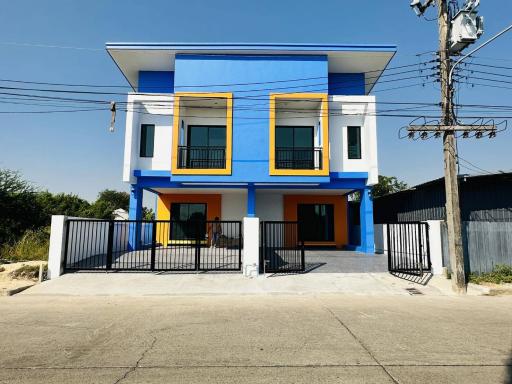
x: 467, y: 27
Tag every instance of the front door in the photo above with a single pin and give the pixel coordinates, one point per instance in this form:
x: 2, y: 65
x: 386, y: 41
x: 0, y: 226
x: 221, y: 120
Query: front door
x: 317, y: 222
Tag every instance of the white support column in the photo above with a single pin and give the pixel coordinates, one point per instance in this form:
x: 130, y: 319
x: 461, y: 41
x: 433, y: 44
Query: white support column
x: 436, y: 247
x: 251, y: 256
x: 57, y: 245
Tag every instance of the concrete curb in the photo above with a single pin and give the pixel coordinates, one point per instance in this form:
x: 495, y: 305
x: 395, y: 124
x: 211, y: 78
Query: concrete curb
x: 13, y: 291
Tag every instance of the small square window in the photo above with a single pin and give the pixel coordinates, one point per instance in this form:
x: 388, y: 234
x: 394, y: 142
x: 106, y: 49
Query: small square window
x: 147, y: 140
x: 354, y: 142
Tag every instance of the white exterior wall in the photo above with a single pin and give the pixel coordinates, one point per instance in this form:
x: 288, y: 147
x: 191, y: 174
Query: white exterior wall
x: 269, y: 206
x: 353, y: 111
x: 157, y: 110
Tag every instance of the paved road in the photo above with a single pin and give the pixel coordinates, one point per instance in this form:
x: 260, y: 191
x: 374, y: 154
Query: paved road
x: 256, y: 339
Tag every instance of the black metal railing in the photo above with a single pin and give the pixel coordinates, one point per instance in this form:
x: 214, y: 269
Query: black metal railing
x: 408, y: 248
x: 298, y: 158
x: 153, y: 245
x: 201, y: 157
x: 281, y: 247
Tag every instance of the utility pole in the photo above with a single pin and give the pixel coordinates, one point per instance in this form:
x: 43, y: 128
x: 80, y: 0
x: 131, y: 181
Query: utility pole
x: 456, y: 32
x: 458, y: 274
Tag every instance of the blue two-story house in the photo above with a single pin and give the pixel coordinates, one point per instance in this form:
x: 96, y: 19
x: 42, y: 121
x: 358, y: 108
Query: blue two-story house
x: 281, y: 132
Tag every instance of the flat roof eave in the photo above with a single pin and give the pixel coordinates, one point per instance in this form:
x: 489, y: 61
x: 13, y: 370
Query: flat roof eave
x: 131, y: 57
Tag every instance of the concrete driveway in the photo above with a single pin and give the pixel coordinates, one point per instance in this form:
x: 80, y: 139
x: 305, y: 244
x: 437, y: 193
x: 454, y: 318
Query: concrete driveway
x: 256, y: 339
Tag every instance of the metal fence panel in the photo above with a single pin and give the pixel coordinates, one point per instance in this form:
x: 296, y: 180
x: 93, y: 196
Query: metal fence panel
x: 408, y: 248
x: 153, y: 245
x: 282, y: 247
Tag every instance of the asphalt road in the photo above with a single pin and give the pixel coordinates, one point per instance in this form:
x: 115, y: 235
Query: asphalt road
x: 256, y: 339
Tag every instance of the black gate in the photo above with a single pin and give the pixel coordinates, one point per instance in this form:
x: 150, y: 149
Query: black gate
x: 135, y: 245
x: 408, y: 248
x: 282, y: 248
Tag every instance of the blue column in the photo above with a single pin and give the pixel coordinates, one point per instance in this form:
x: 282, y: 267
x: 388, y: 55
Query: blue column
x: 366, y: 218
x: 251, y: 201
x: 135, y: 213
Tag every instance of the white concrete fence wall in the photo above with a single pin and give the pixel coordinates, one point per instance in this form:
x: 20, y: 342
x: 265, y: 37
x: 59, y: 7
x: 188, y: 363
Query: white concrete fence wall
x: 435, y: 245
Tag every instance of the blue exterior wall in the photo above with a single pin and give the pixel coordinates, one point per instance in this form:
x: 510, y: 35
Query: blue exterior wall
x: 347, y: 84
x: 156, y: 82
x: 250, y: 117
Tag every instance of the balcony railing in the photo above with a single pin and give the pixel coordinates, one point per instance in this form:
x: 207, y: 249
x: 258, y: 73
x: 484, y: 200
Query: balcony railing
x: 201, y: 157
x: 298, y: 158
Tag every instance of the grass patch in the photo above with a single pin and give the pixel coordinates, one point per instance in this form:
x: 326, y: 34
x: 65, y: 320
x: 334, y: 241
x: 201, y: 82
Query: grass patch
x: 501, y: 274
x: 32, y: 246
x: 26, y: 272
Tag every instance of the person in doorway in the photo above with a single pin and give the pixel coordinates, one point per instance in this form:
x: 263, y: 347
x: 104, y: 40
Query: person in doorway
x: 216, y: 232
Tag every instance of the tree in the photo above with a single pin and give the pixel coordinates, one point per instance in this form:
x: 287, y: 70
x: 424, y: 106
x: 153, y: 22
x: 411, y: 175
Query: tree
x: 387, y: 185
x: 148, y: 214
x: 19, y: 210
x: 61, y: 204
x: 107, y: 202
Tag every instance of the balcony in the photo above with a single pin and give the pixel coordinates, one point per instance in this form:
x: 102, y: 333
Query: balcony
x: 192, y: 157
x: 306, y: 158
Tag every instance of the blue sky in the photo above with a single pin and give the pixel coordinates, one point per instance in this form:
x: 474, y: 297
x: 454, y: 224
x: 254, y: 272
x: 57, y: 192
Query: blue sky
x: 74, y: 152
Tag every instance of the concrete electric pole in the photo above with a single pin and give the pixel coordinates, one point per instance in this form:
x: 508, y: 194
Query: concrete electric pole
x: 449, y: 125
x: 451, y: 183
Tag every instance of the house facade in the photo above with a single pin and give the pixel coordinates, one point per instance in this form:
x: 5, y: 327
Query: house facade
x: 279, y: 132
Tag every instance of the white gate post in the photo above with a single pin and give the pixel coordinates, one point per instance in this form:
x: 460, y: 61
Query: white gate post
x: 57, y: 245
x: 251, y: 256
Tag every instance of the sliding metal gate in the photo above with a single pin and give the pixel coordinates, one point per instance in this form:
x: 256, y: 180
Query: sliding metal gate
x: 135, y: 245
x: 408, y: 248
x: 282, y: 248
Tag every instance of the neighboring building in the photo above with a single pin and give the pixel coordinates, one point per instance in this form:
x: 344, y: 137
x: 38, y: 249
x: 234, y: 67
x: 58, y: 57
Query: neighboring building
x: 120, y: 214
x: 274, y: 131
x: 482, y: 198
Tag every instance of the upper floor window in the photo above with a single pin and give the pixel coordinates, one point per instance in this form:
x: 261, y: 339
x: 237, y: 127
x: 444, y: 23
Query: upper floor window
x: 202, y: 134
x: 205, y: 148
x: 299, y: 149
x: 354, y: 142
x: 147, y: 140
x: 295, y: 148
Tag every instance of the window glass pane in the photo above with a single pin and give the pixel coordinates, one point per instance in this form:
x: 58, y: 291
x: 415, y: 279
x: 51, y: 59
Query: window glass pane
x: 147, y: 140
x: 303, y: 137
x: 354, y: 142
x: 184, y: 218
x: 197, y: 136
x: 217, y: 137
x: 284, y: 137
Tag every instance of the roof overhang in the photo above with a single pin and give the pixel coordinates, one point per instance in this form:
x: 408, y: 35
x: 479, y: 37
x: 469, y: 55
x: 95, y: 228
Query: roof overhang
x: 342, y: 58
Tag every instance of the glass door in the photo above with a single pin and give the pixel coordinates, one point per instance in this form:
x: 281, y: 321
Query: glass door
x: 188, y: 221
x: 316, y: 221
x: 206, y: 146
x: 294, y: 147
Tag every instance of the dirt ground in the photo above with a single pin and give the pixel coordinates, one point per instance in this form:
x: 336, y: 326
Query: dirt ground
x: 7, y: 283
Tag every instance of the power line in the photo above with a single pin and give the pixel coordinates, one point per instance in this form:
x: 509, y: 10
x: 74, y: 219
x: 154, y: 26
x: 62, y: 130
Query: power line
x: 385, y: 74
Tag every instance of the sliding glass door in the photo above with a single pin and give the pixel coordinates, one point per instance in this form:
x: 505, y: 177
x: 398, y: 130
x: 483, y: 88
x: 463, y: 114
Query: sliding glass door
x: 316, y: 221
x: 206, y: 146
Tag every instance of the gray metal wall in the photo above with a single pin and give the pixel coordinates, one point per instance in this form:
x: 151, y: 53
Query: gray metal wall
x: 486, y: 244
x: 483, y: 198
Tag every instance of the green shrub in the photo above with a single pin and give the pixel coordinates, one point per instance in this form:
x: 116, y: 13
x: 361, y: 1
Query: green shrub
x: 33, y: 245
x: 26, y: 272
x: 501, y: 274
